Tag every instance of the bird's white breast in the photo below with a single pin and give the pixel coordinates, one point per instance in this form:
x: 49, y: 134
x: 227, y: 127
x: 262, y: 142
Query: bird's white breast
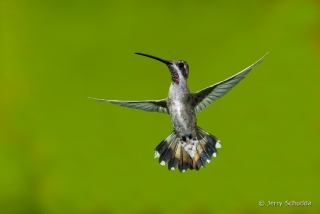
x: 179, y: 118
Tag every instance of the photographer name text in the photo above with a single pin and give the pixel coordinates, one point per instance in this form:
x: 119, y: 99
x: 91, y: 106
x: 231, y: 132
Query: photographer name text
x: 286, y: 203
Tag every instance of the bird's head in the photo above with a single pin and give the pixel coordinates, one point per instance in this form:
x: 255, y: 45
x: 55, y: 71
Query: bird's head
x: 179, y: 69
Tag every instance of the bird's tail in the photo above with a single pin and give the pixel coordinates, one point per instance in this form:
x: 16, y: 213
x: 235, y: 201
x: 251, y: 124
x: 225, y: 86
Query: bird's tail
x: 172, y: 152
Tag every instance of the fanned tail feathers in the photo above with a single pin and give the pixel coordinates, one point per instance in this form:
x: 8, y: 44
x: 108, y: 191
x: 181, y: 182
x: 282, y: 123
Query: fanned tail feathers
x: 170, y: 151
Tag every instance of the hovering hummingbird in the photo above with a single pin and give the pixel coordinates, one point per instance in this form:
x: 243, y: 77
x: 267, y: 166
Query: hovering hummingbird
x: 188, y: 146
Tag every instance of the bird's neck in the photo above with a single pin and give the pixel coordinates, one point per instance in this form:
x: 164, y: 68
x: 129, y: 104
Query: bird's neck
x: 179, y: 91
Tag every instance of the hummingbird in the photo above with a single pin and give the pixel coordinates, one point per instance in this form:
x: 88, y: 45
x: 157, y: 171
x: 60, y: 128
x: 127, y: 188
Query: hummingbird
x: 188, y: 146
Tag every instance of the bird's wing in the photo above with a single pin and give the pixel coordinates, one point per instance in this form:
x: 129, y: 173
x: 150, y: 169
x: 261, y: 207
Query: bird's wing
x: 146, y: 105
x: 205, y: 97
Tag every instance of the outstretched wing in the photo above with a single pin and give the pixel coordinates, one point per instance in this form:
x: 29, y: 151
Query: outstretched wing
x: 146, y: 105
x: 205, y: 97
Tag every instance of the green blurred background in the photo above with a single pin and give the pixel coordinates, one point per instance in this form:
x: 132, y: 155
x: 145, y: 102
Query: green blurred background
x: 63, y: 153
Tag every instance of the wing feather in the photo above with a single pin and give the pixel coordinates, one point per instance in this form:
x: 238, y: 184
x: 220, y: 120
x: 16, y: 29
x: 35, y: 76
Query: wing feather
x: 146, y: 105
x: 207, y: 96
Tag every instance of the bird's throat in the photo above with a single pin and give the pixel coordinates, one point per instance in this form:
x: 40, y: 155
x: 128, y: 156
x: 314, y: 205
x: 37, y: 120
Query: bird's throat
x: 175, y: 77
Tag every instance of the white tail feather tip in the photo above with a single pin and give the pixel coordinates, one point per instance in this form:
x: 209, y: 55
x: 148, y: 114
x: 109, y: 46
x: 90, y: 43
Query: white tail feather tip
x: 208, y: 161
x: 172, y: 168
x: 162, y: 163
x: 214, y: 154
x: 156, y: 154
x: 218, y: 145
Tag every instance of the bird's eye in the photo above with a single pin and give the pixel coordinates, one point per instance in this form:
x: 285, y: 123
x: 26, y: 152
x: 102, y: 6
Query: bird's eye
x: 181, y: 65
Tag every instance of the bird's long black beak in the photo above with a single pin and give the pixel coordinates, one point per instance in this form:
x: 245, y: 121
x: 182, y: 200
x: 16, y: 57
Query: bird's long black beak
x: 167, y: 62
